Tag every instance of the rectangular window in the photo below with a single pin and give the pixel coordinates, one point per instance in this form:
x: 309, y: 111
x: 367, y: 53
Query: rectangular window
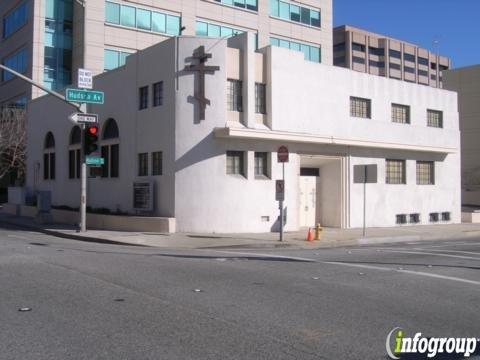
x: 425, y: 173
x: 422, y: 61
x: 17, y: 61
x: 112, y: 13
x: 274, y: 8
x: 358, y: 47
x: 409, y: 57
x: 379, y: 64
x: 360, y: 107
x: 409, y: 69
x: 261, y: 164
x: 144, y: 19
x: 376, y: 51
x: 235, y: 163
x: 111, y: 59
x: 158, y: 94
x: 395, y: 66
x: 395, y: 54
x: 260, y: 98
x: 159, y: 22
x: 127, y: 16
x: 46, y: 166
x: 358, y: 60
x: 173, y: 25
x: 143, y: 97
x: 106, y: 161
x: 143, y: 164
x: 15, y: 20
x: 157, y: 163
x: 114, y: 160
x: 234, y: 95
x: 395, y: 172
x: 52, y: 166
x: 71, y: 164
x: 339, y: 47
x: 311, y: 53
x: 434, y: 118
x: 422, y: 73
x: 400, y: 114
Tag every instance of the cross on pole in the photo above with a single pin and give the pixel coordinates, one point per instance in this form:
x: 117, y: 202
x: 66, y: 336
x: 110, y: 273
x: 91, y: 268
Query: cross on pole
x: 202, y: 69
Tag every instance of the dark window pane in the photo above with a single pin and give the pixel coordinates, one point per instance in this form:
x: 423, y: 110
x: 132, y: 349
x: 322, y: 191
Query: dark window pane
x: 114, y: 160
x: 106, y: 159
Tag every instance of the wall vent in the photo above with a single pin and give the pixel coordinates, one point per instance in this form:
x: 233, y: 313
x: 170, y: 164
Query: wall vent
x: 433, y: 217
x: 414, y: 218
x: 446, y: 216
x: 401, y: 218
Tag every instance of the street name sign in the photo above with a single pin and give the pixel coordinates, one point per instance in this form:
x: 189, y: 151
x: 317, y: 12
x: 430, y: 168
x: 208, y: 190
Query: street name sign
x: 282, y: 154
x: 81, y: 118
x: 85, y: 79
x: 94, y: 160
x: 85, y: 96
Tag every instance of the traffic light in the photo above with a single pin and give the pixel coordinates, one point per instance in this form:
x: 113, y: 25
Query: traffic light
x: 90, y: 139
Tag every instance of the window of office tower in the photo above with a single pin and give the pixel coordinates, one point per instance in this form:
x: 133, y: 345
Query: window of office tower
x: 58, y: 43
x: 246, y: 4
x: 295, y: 12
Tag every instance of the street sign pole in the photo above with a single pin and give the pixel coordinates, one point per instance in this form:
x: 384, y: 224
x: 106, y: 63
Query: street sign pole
x: 281, y: 204
x: 83, y: 186
x: 365, y: 204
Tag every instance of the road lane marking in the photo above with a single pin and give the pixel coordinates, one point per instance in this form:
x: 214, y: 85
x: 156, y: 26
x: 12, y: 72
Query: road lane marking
x: 18, y: 237
x: 432, y: 254
x: 426, y: 249
x: 267, y: 256
x: 410, y: 272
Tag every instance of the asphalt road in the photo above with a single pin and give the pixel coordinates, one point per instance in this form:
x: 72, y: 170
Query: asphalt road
x: 97, y: 301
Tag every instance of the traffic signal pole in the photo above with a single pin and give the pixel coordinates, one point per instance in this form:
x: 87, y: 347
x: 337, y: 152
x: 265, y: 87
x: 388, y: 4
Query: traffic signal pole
x: 83, y: 182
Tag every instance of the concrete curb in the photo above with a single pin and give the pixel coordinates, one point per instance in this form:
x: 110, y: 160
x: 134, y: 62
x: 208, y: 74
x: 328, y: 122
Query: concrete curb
x: 63, y: 235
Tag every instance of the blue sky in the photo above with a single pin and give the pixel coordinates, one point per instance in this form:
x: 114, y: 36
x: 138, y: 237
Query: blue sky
x: 455, y: 23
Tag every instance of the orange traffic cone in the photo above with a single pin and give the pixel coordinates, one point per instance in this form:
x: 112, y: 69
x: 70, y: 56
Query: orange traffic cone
x: 309, y: 235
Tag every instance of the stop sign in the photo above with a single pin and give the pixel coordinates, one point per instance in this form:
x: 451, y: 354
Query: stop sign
x: 282, y: 154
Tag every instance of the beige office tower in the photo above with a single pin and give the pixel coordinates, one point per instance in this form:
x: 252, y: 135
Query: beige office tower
x: 376, y: 54
x: 44, y: 39
x: 466, y: 81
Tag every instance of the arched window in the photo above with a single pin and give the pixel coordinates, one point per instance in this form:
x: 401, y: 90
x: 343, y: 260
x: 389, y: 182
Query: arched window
x: 49, y: 157
x: 110, y: 149
x: 74, y: 155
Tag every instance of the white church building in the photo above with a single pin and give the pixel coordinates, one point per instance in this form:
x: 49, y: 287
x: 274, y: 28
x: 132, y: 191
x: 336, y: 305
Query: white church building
x: 206, y: 145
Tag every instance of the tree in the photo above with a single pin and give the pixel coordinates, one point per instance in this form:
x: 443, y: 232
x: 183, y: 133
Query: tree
x: 13, y: 137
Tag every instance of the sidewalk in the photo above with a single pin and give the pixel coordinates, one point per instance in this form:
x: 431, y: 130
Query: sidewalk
x: 330, y: 237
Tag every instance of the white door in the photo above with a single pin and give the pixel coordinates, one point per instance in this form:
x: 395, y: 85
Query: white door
x: 308, y: 200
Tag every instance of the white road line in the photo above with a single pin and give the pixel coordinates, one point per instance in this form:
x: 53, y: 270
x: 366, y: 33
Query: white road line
x: 18, y: 237
x: 455, y: 251
x: 451, y: 244
x: 267, y: 255
x: 431, y: 254
x: 427, y: 249
x: 410, y: 272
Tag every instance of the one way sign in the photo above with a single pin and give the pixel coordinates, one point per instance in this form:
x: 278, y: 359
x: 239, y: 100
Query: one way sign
x: 81, y: 118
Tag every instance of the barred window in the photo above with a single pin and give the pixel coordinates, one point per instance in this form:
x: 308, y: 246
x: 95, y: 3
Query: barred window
x: 157, y: 163
x: 425, y: 173
x: 143, y: 164
x: 260, y: 98
x: 395, y: 172
x: 434, y: 118
x: 401, y: 114
x: 235, y: 163
x: 158, y: 94
x: 261, y: 164
x: 234, y: 95
x: 360, y: 107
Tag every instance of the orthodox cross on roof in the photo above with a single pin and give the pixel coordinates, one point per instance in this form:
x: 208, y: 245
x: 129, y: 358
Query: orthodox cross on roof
x: 201, y: 58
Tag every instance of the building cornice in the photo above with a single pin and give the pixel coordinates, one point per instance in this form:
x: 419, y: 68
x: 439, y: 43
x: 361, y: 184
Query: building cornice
x: 269, y: 135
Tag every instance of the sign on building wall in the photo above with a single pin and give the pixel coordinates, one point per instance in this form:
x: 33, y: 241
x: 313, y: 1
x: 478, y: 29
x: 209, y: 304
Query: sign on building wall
x: 143, y: 196
x: 365, y: 174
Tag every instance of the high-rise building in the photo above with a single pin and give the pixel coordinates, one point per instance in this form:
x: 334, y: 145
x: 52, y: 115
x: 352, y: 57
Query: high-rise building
x: 44, y: 39
x: 381, y: 55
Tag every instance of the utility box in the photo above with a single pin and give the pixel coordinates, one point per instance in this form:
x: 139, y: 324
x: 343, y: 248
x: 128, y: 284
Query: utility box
x: 44, y: 201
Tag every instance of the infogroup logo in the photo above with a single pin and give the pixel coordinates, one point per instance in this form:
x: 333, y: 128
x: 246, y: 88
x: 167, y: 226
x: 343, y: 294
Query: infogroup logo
x: 397, y: 344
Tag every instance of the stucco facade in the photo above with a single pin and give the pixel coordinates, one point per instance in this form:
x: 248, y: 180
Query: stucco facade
x: 307, y: 109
